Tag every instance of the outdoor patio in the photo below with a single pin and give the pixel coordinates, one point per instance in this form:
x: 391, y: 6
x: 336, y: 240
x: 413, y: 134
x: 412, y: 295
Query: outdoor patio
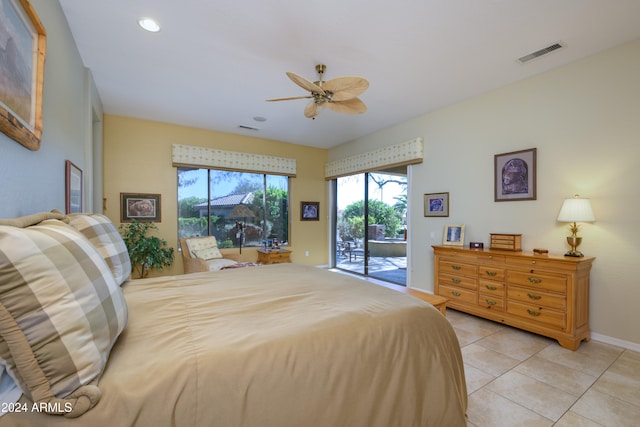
x: 390, y: 269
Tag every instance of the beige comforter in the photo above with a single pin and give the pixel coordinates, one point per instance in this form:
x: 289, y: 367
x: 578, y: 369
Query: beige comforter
x: 278, y: 345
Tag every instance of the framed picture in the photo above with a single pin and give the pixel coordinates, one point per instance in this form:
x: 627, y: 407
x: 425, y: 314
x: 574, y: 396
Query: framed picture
x: 73, y: 187
x: 436, y: 204
x: 139, y: 207
x: 23, y: 73
x: 309, y: 211
x: 453, y: 235
x: 515, y: 175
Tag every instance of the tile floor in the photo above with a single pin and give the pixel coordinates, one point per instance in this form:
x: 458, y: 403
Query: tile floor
x: 515, y: 378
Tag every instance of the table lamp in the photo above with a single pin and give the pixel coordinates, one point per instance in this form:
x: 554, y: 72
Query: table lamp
x: 575, y: 210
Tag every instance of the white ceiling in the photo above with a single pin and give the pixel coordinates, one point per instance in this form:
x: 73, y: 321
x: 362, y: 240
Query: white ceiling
x: 214, y: 63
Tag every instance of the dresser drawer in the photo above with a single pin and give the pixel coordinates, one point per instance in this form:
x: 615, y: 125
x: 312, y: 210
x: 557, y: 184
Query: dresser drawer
x: 491, y: 288
x: 491, y: 302
x: 458, y: 268
x: 458, y: 281
x: 537, y: 298
x: 538, y: 281
x: 490, y: 257
x: 488, y: 272
x: 458, y: 294
x: 536, y: 314
x: 279, y: 257
x: 540, y: 262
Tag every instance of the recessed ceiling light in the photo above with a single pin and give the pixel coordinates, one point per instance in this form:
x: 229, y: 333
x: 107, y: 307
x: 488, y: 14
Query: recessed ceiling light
x: 260, y: 119
x: 149, y: 25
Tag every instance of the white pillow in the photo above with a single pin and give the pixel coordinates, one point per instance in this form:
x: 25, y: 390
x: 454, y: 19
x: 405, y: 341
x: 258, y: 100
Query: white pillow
x: 197, y: 243
x: 207, y: 254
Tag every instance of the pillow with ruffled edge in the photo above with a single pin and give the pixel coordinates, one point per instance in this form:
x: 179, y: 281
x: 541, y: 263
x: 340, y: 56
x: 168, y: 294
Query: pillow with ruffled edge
x: 105, y: 237
x: 61, y: 311
x: 9, y: 391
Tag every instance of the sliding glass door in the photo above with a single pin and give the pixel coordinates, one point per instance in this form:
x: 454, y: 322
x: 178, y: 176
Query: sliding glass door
x: 350, y: 223
x: 370, y: 224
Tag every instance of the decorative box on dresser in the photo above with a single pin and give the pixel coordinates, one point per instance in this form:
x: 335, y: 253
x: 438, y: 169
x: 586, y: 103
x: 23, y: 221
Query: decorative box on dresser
x: 545, y: 294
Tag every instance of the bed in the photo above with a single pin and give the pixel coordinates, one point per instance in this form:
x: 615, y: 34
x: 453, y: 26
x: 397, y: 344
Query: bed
x: 277, y: 345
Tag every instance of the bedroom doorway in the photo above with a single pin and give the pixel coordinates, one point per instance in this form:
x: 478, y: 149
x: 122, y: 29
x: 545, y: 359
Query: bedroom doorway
x: 370, y: 224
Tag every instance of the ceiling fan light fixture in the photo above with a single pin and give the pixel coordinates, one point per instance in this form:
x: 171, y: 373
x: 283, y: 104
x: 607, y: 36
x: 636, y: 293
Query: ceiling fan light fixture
x: 339, y: 94
x: 149, y: 24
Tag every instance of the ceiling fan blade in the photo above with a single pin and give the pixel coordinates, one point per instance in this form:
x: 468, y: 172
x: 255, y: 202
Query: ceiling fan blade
x: 350, y: 106
x: 347, y: 87
x: 290, y: 98
x: 311, y: 110
x: 304, y: 83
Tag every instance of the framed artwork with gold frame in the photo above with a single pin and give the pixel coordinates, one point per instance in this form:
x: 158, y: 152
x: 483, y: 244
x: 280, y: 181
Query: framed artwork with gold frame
x: 453, y: 235
x: 21, y: 94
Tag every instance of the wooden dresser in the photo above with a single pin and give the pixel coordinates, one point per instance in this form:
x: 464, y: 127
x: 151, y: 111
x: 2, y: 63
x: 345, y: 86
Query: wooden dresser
x: 545, y: 294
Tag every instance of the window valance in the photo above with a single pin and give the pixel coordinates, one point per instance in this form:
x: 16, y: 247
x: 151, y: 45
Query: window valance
x: 191, y: 156
x: 406, y: 153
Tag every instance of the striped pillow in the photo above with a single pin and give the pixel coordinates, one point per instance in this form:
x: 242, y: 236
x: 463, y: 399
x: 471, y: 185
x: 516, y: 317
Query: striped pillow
x: 105, y: 237
x: 61, y: 311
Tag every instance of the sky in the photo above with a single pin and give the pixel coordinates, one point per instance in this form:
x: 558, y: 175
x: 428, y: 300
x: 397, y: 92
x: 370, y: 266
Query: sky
x: 350, y: 189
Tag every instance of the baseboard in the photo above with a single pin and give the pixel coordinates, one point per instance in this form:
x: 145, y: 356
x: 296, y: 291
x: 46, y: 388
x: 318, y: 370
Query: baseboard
x: 616, y: 341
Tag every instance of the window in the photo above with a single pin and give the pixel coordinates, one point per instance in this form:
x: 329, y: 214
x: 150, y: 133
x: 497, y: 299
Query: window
x: 215, y: 202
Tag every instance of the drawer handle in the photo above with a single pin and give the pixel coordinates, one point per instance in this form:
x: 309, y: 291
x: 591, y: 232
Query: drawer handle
x: 533, y: 313
x: 489, y: 302
x: 491, y: 273
x: 534, y: 280
x: 455, y: 294
x: 534, y: 297
x: 456, y: 267
x: 454, y: 280
x: 490, y: 287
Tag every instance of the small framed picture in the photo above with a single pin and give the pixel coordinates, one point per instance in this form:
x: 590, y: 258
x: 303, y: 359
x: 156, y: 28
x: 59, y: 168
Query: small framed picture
x: 453, y: 235
x: 139, y: 207
x: 73, y: 187
x: 436, y: 204
x: 309, y: 211
x: 515, y: 176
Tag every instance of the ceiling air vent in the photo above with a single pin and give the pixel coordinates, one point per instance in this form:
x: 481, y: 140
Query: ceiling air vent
x: 539, y: 53
x: 247, y: 127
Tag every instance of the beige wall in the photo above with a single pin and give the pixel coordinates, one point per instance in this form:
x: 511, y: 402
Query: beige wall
x: 137, y: 159
x: 584, y: 120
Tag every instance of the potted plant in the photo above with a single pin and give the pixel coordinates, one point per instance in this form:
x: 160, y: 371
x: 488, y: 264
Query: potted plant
x: 145, y: 252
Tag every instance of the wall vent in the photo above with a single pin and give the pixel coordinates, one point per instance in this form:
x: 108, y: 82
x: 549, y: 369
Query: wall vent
x: 247, y: 127
x: 541, y: 52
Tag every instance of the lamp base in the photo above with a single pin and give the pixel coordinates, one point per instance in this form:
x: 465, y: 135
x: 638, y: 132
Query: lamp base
x: 576, y: 254
x: 574, y: 242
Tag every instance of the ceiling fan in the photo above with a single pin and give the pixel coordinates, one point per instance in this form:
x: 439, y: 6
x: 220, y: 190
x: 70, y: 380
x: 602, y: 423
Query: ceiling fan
x: 339, y: 94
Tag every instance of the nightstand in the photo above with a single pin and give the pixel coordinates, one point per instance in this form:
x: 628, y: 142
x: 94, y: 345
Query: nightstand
x: 273, y: 257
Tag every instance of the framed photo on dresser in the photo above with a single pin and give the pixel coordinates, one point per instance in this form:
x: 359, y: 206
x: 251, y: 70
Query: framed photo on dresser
x: 453, y: 235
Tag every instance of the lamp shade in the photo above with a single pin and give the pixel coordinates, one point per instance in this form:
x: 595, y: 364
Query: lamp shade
x: 576, y: 210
